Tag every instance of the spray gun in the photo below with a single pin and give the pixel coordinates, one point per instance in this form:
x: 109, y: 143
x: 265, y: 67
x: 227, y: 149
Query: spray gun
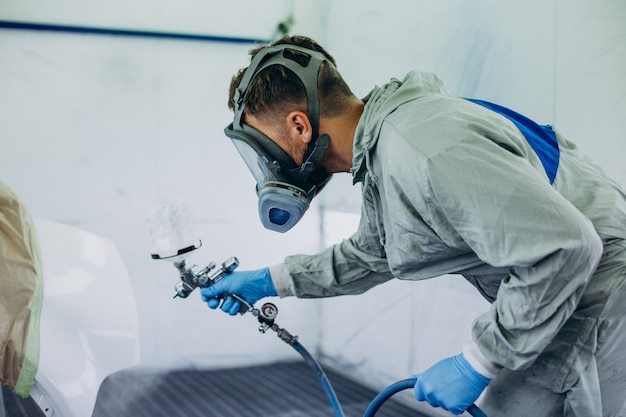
x: 207, y: 276
x: 173, y: 240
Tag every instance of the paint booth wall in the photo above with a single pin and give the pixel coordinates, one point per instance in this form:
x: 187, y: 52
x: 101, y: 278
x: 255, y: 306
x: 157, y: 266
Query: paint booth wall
x: 95, y: 129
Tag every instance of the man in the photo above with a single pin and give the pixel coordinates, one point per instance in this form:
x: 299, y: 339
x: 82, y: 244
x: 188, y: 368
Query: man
x: 450, y: 186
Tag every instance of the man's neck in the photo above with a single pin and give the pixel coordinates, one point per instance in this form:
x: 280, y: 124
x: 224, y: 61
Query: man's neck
x: 341, y: 130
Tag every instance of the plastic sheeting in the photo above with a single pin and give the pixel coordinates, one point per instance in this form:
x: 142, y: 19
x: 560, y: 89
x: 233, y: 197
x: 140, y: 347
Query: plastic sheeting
x: 21, y: 287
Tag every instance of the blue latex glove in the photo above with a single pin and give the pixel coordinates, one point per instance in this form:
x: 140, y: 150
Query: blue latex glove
x: 249, y: 285
x: 452, y: 384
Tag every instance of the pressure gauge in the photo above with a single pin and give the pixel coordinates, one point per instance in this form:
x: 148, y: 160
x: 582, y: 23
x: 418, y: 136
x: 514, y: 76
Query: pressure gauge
x: 269, y: 311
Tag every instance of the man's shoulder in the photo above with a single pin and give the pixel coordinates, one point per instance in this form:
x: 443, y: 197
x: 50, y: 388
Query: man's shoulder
x: 426, y: 124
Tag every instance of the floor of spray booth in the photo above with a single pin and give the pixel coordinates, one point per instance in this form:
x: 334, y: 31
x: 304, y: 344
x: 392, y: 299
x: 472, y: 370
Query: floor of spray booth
x: 286, y: 389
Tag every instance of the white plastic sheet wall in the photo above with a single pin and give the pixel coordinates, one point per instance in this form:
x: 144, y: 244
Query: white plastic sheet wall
x: 93, y: 129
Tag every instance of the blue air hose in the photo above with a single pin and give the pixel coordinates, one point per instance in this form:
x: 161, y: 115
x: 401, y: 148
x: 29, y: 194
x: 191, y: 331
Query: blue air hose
x: 377, y: 402
x: 266, y: 316
x: 319, y: 372
x: 394, y: 388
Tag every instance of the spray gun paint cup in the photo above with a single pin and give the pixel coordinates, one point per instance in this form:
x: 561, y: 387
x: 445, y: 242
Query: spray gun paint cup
x: 171, y: 228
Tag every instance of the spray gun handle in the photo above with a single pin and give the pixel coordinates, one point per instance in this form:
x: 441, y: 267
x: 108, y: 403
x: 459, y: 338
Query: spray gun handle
x: 227, y: 267
x: 245, y: 306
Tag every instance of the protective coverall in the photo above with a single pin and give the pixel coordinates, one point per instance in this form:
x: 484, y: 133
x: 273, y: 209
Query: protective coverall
x: 452, y: 187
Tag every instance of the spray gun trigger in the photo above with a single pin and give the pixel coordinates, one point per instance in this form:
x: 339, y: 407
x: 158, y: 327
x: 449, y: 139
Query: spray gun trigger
x: 245, y: 306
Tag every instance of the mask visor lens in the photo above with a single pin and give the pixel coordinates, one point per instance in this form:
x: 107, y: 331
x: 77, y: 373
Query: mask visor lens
x: 258, y: 164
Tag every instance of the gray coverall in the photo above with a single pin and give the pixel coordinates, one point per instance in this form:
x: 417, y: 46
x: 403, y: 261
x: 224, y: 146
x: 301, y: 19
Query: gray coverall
x: 450, y: 187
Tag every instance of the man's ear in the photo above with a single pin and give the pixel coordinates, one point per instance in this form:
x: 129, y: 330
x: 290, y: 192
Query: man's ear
x: 299, y: 126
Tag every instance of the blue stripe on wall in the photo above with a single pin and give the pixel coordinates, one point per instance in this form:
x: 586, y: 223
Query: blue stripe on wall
x: 4, y: 24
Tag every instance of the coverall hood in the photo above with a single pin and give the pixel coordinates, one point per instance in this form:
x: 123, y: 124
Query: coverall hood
x: 381, y: 102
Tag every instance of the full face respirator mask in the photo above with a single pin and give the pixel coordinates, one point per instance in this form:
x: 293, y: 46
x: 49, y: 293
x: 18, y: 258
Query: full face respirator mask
x: 284, y: 189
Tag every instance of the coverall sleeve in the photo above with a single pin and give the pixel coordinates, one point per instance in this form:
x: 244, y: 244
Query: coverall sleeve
x: 352, y: 266
x: 508, y: 214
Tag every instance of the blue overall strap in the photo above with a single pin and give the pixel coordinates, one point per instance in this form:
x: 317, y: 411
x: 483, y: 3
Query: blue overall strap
x: 540, y: 137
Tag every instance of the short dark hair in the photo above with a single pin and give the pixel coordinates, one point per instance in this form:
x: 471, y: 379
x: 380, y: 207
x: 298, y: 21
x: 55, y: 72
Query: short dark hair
x: 276, y: 90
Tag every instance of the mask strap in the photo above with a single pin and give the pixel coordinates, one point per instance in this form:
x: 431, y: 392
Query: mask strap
x: 251, y: 71
x: 316, y: 153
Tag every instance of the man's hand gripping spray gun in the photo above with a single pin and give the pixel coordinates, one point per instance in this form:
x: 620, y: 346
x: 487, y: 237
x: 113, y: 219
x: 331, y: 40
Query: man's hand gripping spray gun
x: 207, y: 276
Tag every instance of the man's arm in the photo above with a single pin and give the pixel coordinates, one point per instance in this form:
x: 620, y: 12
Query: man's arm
x: 352, y: 266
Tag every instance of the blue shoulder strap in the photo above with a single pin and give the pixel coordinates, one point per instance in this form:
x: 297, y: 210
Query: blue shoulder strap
x: 540, y: 137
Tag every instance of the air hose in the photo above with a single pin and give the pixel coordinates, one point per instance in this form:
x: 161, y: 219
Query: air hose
x: 321, y: 376
x: 266, y: 317
x: 396, y: 387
